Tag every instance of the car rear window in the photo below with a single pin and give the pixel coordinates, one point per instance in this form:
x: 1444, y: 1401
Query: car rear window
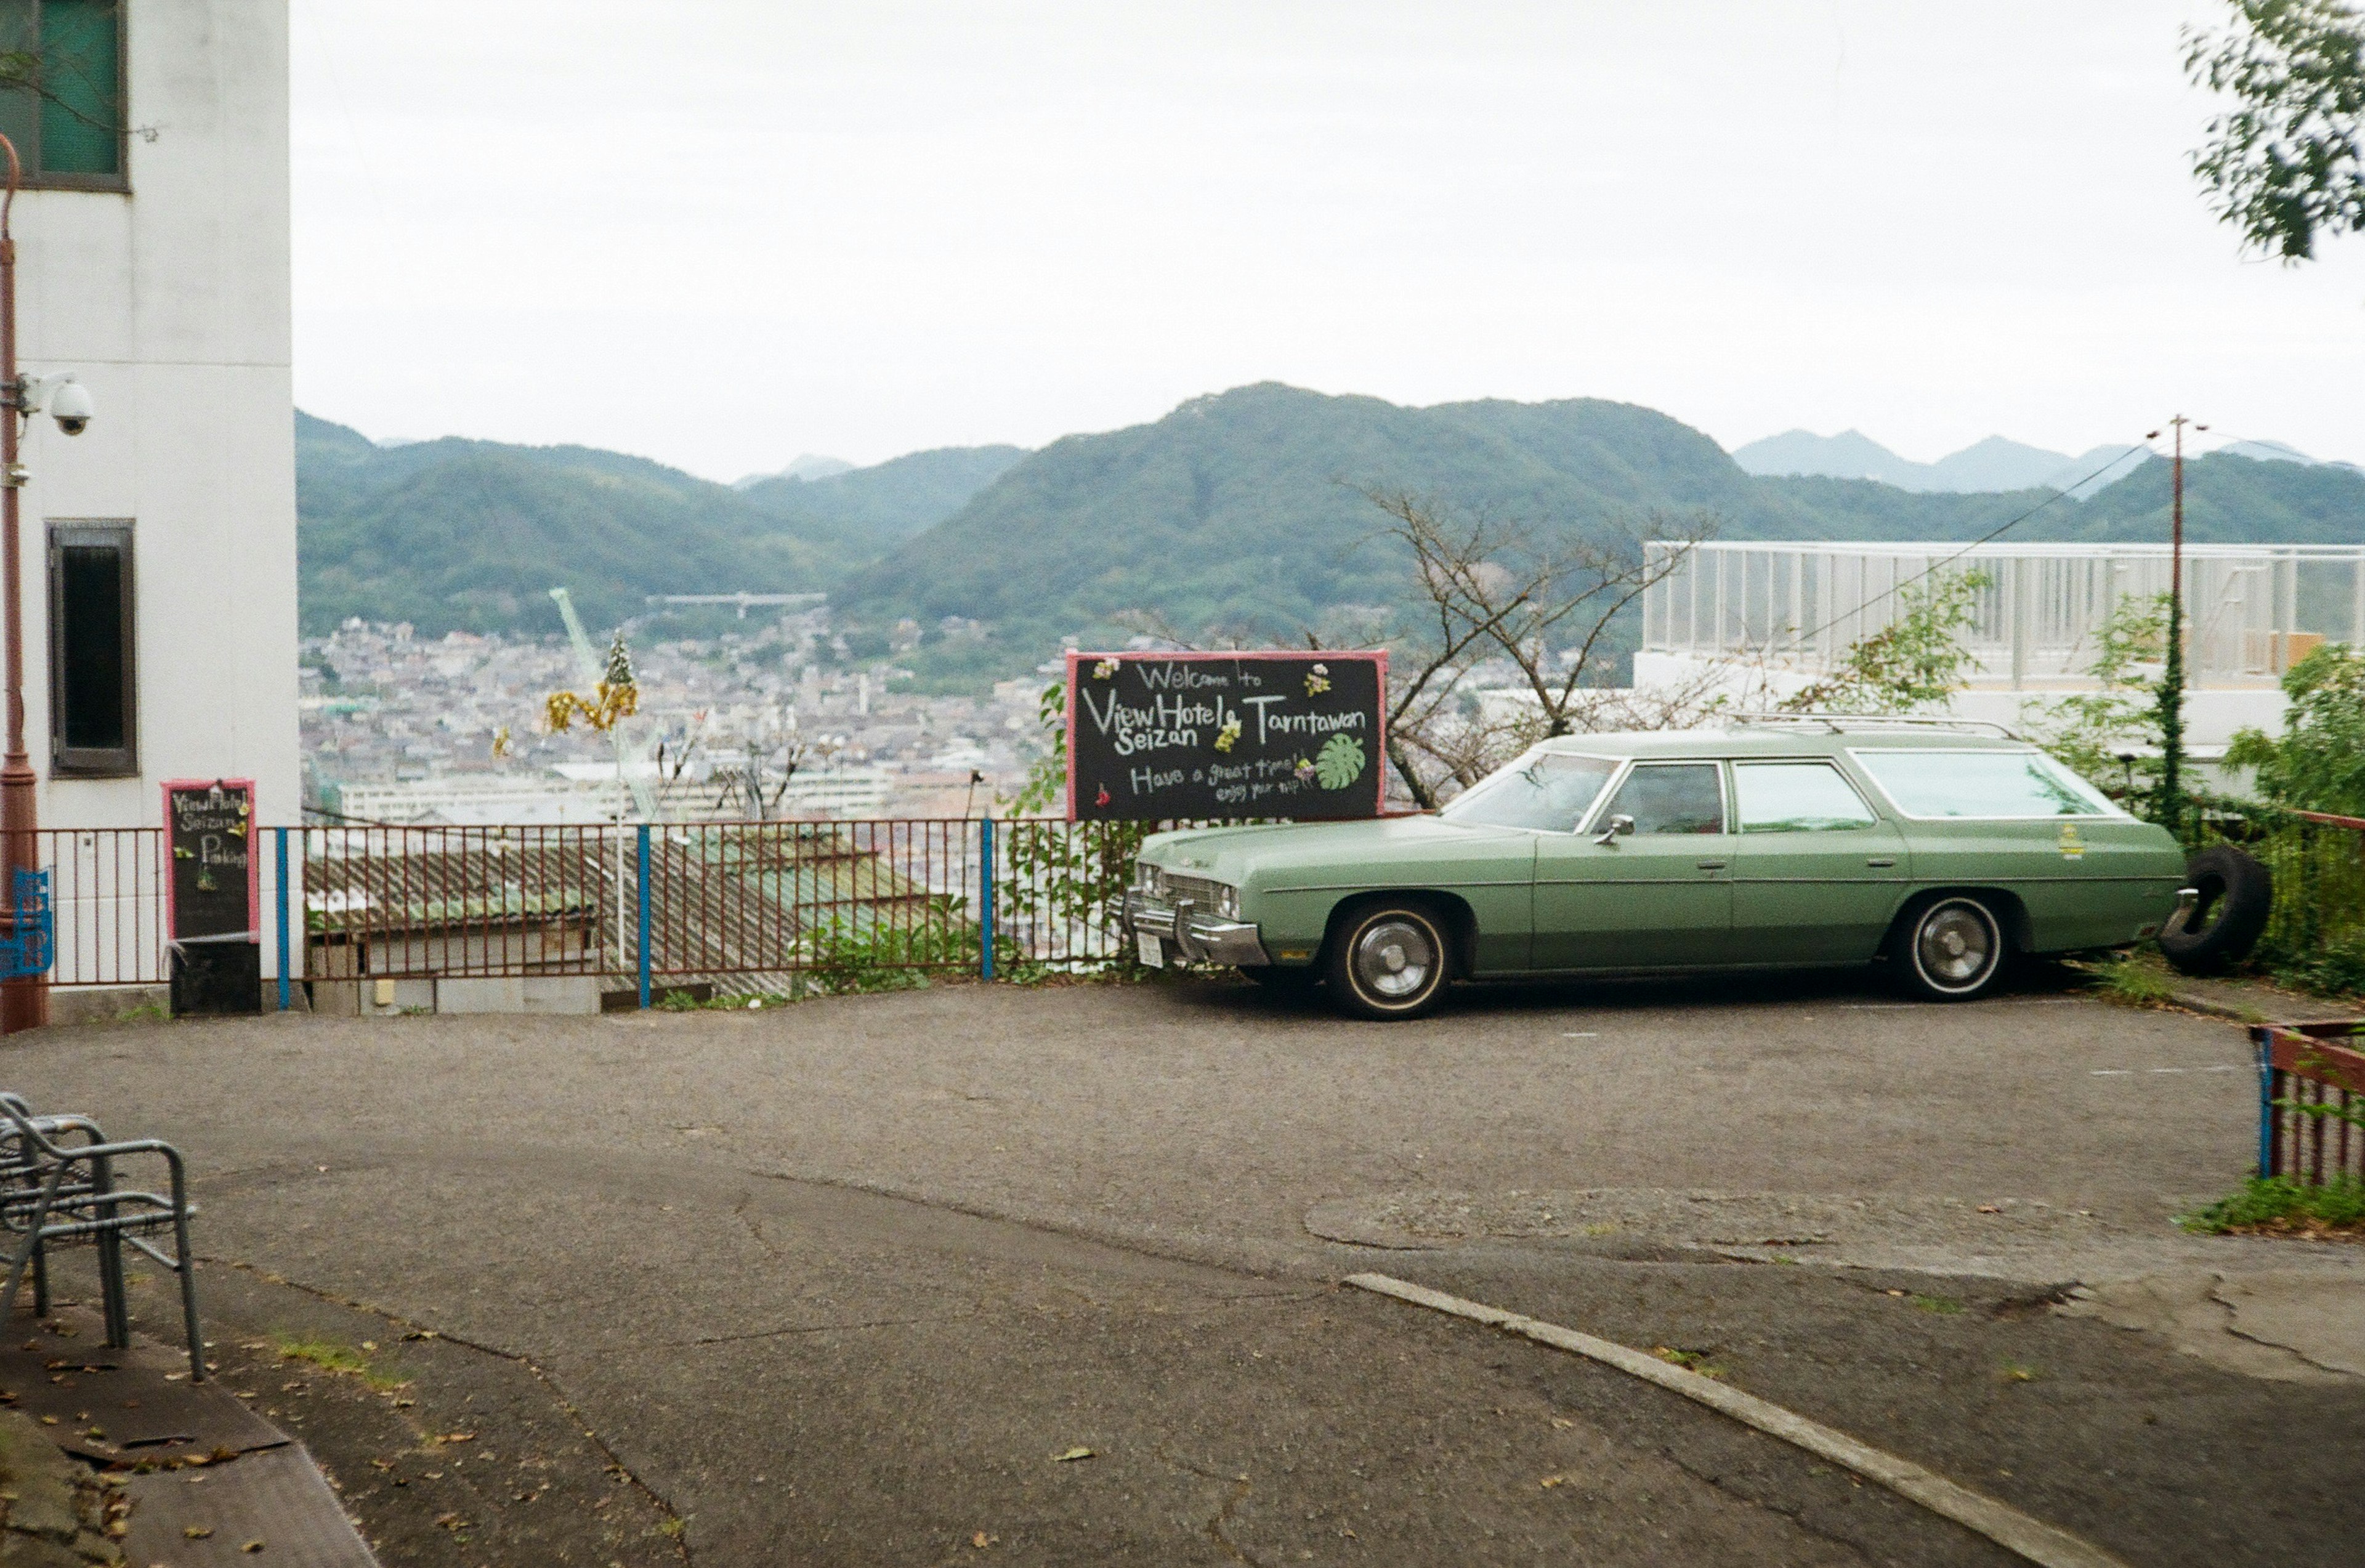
x: 1544, y: 791
x: 1797, y: 797
x: 1997, y: 785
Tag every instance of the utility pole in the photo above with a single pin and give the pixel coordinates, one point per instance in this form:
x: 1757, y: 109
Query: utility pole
x: 2169, y: 808
x: 25, y: 1002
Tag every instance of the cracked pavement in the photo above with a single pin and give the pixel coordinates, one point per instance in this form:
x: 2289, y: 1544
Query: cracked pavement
x: 846, y: 1282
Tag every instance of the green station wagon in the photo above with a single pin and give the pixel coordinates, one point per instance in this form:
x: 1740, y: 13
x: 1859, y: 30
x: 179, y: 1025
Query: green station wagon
x: 1942, y: 850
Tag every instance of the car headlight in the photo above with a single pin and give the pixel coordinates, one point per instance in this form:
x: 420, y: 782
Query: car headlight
x: 1226, y: 902
x: 1150, y: 879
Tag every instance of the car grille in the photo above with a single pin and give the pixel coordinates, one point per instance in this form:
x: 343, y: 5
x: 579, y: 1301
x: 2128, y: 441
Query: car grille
x: 1200, y: 890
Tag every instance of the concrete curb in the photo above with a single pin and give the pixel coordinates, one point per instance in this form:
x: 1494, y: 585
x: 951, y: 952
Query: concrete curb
x: 2203, y: 1005
x: 2016, y: 1532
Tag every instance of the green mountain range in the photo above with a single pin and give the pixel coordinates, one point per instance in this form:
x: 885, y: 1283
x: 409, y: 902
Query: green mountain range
x: 472, y: 535
x: 1239, y: 512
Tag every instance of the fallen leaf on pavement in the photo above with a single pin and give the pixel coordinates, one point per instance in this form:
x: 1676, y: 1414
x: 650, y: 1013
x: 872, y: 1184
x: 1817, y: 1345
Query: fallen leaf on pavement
x: 196, y: 1532
x: 1074, y: 1453
x: 1551, y: 1480
x: 251, y: 1547
x: 982, y: 1541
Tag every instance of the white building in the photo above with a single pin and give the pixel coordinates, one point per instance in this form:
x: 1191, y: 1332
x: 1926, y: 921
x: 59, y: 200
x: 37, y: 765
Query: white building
x: 152, y: 262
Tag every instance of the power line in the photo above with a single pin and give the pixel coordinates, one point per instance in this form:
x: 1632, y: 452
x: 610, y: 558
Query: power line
x: 1989, y: 537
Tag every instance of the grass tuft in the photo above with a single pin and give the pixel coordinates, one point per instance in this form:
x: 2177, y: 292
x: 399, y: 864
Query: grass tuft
x: 2282, y: 1206
x: 342, y: 1360
x: 2133, y: 983
x: 1690, y: 1361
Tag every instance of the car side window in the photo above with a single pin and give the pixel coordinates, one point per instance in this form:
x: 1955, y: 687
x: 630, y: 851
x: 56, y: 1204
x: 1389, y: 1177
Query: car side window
x: 1796, y: 797
x: 1685, y: 797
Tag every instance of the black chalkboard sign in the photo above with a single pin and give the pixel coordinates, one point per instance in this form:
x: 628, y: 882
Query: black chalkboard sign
x: 208, y: 833
x: 1159, y: 737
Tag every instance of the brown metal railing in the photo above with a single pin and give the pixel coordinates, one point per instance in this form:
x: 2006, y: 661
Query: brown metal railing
x: 746, y: 906
x: 106, y: 895
x: 2310, y: 1101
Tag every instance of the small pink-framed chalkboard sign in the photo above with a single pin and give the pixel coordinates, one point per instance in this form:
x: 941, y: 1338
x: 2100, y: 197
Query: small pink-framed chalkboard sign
x: 213, y: 890
x: 1167, y: 737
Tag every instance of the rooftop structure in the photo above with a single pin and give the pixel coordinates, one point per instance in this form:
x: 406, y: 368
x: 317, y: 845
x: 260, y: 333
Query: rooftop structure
x: 2252, y: 610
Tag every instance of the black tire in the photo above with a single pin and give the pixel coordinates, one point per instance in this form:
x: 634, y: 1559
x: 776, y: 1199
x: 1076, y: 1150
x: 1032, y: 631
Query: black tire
x: 1953, y: 948
x: 1285, y: 979
x: 2237, y: 894
x: 1388, y: 959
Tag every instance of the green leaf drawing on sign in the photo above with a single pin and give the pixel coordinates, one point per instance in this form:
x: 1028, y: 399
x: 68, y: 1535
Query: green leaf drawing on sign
x: 1340, y: 762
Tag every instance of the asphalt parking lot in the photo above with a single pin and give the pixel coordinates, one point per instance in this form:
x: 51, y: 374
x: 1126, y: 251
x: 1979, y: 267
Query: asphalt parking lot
x: 855, y: 1281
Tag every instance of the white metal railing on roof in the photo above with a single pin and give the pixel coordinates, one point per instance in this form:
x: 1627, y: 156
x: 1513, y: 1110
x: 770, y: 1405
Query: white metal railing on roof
x: 2251, y: 609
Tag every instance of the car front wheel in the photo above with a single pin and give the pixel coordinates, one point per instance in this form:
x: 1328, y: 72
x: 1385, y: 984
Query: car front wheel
x: 1951, y: 949
x: 1388, y: 961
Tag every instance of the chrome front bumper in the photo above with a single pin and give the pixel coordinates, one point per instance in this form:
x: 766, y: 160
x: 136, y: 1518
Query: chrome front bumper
x: 1195, y: 936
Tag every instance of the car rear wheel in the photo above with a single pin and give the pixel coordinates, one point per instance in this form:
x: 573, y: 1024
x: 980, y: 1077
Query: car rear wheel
x: 1388, y: 960
x: 1950, y: 949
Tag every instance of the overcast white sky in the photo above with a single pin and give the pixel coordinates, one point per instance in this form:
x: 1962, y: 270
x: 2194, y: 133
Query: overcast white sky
x: 726, y: 232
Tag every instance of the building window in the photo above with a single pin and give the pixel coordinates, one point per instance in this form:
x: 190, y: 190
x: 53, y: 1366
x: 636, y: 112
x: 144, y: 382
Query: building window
x: 61, y: 90
x: 94, y: 727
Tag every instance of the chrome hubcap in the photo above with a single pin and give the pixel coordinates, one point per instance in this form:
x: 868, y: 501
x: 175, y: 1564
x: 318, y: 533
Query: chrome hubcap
x: 1956, y: 945
x: 1394, y: 959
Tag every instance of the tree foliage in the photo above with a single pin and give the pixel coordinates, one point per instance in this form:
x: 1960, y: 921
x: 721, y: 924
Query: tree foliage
x: 2284, y: 164
x: 2111, y: 733
x: 1917, y: 661
x: 2318, y: 765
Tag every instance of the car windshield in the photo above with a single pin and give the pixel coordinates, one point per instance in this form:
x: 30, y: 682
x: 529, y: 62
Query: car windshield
x: 1545, y: 791
x: 1993, y: 784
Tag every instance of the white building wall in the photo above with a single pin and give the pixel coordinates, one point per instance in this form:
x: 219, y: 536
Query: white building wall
x: 170, y: 304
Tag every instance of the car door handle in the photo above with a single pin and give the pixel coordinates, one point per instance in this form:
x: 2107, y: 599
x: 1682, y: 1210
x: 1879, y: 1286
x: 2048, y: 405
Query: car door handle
x: 1881, y: 860
x: 1711, y: 864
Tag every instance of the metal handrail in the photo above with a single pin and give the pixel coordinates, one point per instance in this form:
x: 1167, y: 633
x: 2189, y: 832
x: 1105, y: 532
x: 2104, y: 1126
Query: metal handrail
x: 94, y: 1207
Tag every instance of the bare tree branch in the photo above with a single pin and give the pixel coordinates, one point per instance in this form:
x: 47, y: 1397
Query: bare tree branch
x: 1494, y: 590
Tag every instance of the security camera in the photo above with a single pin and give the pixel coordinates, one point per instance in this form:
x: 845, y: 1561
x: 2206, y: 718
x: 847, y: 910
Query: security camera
x: 70, y: 406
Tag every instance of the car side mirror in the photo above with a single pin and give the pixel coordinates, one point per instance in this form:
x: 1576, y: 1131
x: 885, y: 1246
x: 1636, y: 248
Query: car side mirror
x: 1620, y: 823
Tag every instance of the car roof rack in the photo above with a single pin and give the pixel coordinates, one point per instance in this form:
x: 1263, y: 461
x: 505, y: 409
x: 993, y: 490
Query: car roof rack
x: 1848, y: 723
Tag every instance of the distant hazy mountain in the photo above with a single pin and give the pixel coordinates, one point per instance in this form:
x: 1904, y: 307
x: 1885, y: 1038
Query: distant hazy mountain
x: 1991, y: 464
x: 1850, y: 454
x: 2276, y: 452
x: 1994, y: 463
x: 864, y: 510
x: 810, y: 466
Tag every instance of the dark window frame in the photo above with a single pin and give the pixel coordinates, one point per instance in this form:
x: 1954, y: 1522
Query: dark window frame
x: 95, y: 762
x: 1724, y: 802
x: 33, y: 177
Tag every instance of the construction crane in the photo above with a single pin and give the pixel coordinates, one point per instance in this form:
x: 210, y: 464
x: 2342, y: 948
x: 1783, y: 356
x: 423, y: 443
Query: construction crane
x: 593, y: 670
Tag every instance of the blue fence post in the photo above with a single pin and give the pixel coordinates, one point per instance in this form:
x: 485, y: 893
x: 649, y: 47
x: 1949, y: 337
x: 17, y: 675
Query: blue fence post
x: 985, y: 900
x: 286, y: 987
x: 644, y: 915
x: 2262, y: 1043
